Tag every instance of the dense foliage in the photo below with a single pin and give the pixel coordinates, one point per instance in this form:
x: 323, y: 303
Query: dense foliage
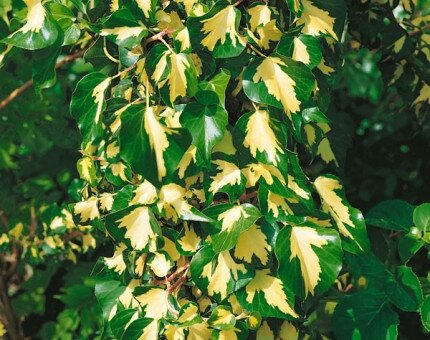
x: 207, y: 199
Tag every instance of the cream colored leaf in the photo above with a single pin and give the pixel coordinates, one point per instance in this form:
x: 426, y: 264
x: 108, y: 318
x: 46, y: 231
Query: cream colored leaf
x: 274, y: 202
x: 226, y: 145
x: 106, y: 201
x: 229, y: 174
x: 288, y: 332
x: 252, y: 242
x: 254, y: 171
x: 218, y: 27
x: 279, y: 84
x: 220, y: 276
x: 326, y: 152
x: 265, y: 332
x: 99, y: 97
x: 155, y: 301
x: 118, y: 170
x: 259, y: 136
x: 145, y: 6
x: 232, y: 216
x: 332, y: 203
x: 172, y: 200
x: 316, y: 20
x: 272, y: 289
x: 160, y: 264
x: 300, y: 52
x: 145, y: 193
x: 116, y: 262
x: 150, y: 332
x: 158, y: 138
x: 302, y: 240
x: 138, y: 227
x: 190, y: 240
x: 124, y: 32
x: 87, y: 210
x: 189, y: 155
x: 35, y: 16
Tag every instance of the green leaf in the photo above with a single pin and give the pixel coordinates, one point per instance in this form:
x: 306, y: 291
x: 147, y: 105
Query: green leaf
x: 140, y: 328
x: 107, y: 294
x: 232, y: 221
x: 120, y: 321
x: 150, y: 147
x: 404, y: 289
x: 310, y: 259
x: 206, y: 125
x: 88, y: 103
x: 425, y: 313
x: 280, y: 82
x: 421, y: 217
x: 217, y: 84
x: 44, y: 65
x: 365, y: 315
x: 391, y: 214
x: 408, y: 246
x: 217, y: 31
x: 349, y: 221
x: 39, y: 31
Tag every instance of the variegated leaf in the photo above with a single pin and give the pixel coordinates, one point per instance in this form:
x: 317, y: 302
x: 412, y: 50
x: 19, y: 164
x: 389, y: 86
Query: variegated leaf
x: 135, y: 226
x: 39, y: 31
x: 152, y: 148
x: 267, y: 295
x: 232, y: 221
x: 173, y: 73
x: 320, y: 17
x: 217, y: 31
x: 349, y: 220
x: 218, y: 275
x: 310, y: 258
x: 88, y: 103
x: 280, y: 82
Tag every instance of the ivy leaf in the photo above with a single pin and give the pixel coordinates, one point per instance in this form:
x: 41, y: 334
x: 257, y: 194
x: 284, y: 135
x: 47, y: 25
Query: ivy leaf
x: 232, y: 221
x: 206, y: 124
x: 349, y: 221
x: 174, y: 73
x: 260, y: 136
x: 421, y: 217
x: 310, y: 259
x: 88, y: 103
x: 107, y: 294
x: 39, y: 31
x: 222, y: 318
x: 366, y: 314
x: 267, y: 295
x: 135, y: 226
x: 218, y: 274
x: 154, y: 301
x: 141, y: 328
x: 280, y: 82
x: 218, y: 85
x: 263, y: 29
x: 122, y: 29
x: 303, y: 48
x: 425, y: 313
x: 404, y: 289
x: 391, y: 214
x: 217, y: 31
x: 153, y: 149
x: 320, y: 17
x: 121, y: 320
x: 254, y: 246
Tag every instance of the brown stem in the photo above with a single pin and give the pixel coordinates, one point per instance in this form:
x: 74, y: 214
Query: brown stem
x: 419, y: 30
x: 158, y: 36
x: 20, y: 90
x: 7, y: 314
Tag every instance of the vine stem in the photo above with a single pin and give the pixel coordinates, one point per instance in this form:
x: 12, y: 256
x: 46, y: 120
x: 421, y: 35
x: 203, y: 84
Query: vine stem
x: 20, y: 90
x: 419, y: 30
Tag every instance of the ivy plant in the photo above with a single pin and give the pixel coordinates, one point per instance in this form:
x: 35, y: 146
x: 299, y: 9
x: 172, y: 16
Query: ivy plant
x: 198, y: 120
